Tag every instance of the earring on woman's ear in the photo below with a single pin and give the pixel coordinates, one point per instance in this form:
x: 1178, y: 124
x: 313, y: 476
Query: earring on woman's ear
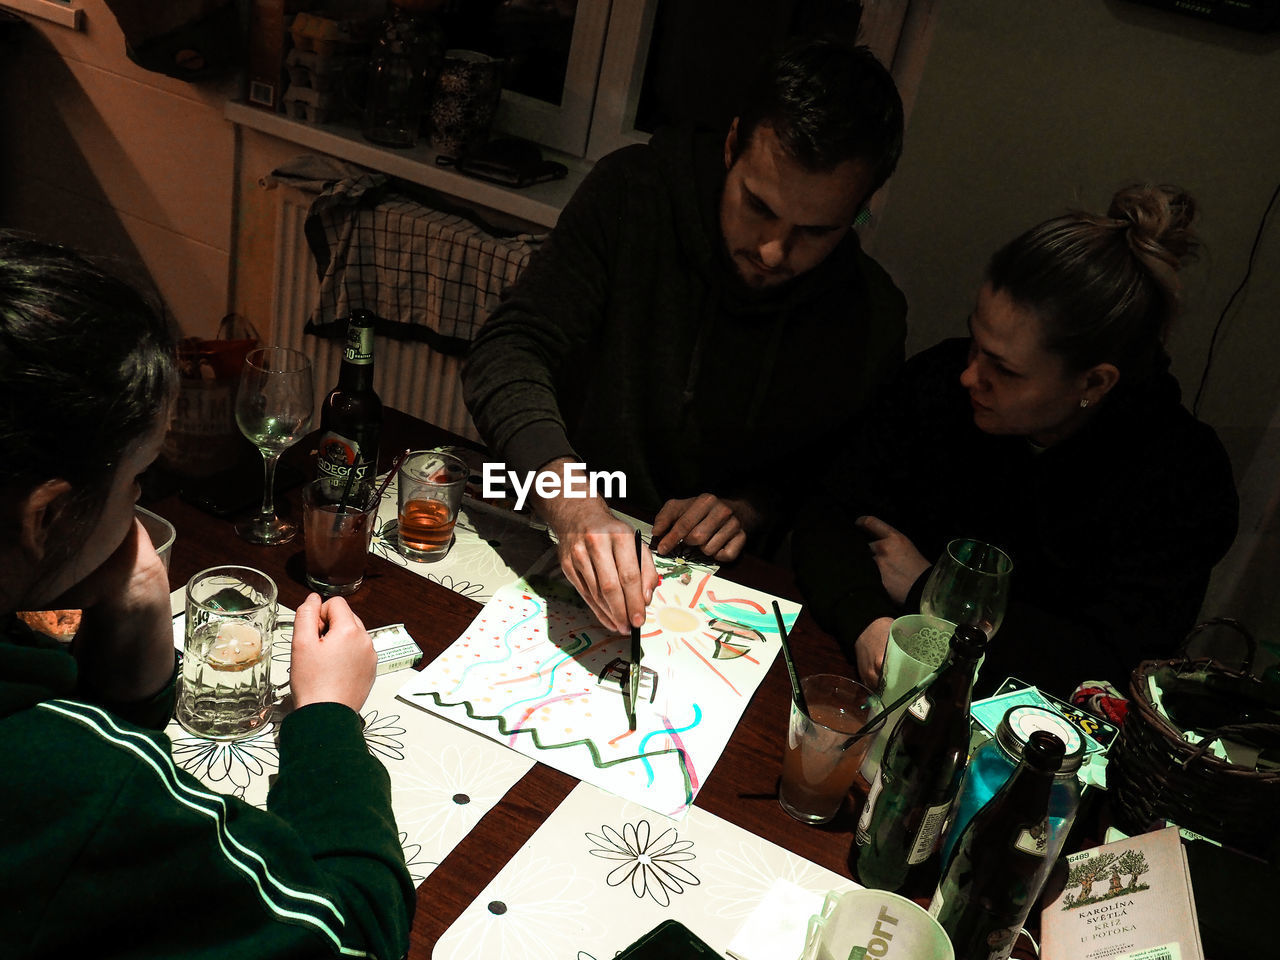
x: 1084, y: 402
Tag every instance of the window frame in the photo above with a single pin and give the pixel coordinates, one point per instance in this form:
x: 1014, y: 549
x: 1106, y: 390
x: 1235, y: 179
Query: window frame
x: 564, y: 126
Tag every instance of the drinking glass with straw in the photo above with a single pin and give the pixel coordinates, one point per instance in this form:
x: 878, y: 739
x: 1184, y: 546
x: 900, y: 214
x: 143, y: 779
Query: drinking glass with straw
x: 831, y: 717
x: 338, y: 534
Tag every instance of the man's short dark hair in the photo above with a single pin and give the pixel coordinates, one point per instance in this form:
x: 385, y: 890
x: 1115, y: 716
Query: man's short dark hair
x: 827, y: 101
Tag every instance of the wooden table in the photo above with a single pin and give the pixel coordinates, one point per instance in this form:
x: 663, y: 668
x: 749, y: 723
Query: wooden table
x: 742, y: 787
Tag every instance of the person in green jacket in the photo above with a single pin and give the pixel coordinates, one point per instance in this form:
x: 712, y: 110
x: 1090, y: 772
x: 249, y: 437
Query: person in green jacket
x: 106, y: 848
x: 702, y: 320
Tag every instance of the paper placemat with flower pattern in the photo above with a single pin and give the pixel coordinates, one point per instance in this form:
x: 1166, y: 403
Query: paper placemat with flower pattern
x: 443, y: 778
x: 600, y: 872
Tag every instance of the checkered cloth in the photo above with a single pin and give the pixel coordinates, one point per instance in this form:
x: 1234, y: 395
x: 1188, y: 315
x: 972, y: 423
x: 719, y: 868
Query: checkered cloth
x: 428, y: 274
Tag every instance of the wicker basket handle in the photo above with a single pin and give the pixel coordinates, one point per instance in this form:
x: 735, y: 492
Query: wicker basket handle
x: 234, y: 326
x: 1250, y: 644
x: 1248, y: 732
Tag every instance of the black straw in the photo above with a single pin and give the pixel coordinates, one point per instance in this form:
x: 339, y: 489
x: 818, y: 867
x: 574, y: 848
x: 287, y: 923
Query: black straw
x: 395, y: 467
x: 876, y: 722
x: 797, y: 693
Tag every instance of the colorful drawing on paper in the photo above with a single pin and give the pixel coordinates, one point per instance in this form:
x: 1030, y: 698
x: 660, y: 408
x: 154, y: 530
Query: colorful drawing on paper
x: 537, y: 672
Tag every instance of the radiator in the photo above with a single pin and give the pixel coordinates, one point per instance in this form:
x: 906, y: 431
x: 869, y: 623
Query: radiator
x: 408, y: 376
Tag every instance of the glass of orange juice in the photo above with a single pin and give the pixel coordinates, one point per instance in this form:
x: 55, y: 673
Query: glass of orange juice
x: 430, y: 489
x: 821, y: 758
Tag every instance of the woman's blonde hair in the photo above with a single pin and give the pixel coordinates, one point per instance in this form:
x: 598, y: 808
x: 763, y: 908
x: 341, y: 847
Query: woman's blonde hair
x: 1105, y: 288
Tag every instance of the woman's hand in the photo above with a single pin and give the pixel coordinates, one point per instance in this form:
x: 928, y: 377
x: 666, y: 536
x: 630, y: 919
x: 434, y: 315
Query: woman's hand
x: 869, y: 650
x: 899, y: 561
x: 333, y: 659
x: 124, y: 646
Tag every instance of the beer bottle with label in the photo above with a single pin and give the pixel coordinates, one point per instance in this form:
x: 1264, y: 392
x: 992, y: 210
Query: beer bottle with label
x: 351, y: 417
x: 1000, y: 863
x: 911, y: 795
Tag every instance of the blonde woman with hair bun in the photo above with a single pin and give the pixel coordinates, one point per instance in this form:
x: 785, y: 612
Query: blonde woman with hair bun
x: 1054, y: 430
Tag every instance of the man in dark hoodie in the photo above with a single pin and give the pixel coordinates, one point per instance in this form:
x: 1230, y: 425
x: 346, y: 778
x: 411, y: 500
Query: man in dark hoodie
x: 701, y: 319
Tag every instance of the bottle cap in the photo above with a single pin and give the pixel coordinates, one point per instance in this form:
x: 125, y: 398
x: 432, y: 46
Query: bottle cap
x: 1044, y: 751
x: 1019, y: 724
x: 968, y: 641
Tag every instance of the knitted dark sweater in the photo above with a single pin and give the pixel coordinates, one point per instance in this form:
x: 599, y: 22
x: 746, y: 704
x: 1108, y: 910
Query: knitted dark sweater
x: 107, y: 849
x: 1112, y: 532
x: 630, y: 343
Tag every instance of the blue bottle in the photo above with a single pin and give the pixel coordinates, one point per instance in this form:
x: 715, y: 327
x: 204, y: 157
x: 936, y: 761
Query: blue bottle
x: 993, y: 763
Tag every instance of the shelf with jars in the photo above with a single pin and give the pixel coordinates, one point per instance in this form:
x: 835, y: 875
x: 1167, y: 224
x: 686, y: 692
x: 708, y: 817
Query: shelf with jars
x: 388, y: 95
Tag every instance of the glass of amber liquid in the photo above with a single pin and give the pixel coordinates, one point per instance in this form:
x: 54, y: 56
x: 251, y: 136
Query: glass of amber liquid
x: 430, y: 490
x: 337, y: 532
x: 821, y: 757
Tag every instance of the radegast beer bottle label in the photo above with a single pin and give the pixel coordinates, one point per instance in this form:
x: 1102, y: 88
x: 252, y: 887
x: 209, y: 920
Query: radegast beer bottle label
x: 336, y: 457
x: 920, y: 708
x: 359, y: 346
x: 1001, y: 942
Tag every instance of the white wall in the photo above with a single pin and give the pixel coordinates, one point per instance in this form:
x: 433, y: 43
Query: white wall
x: 113, y: 159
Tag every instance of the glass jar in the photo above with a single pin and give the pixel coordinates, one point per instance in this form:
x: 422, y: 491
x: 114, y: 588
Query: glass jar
x: 994, y: 761
x: 402, y: 67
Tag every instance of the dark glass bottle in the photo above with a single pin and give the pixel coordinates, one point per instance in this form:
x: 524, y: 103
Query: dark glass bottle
x: 351, y: 417
x: 1001, y: 860
x: 911, y: 795
x: 992, y: 763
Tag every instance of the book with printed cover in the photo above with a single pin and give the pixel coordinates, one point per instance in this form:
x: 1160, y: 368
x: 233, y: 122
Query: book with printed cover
x: 1127, y: 900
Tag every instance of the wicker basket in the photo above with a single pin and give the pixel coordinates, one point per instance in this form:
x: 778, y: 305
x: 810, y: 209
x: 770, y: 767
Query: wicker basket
x: 1154, y: 774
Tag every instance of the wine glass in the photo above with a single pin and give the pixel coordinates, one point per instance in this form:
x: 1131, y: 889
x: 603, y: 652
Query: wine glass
x: 969, y: 584
x: 273, y: 408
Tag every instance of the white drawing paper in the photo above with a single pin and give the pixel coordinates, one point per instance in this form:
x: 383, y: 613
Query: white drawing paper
x: 536, y: 672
